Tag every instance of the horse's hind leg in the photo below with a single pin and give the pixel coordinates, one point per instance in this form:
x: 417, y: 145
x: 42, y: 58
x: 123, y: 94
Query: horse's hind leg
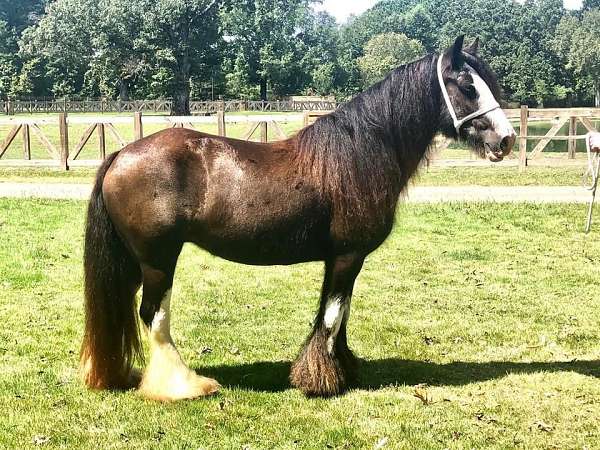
x: 166, y: 376
x: 326, y: 365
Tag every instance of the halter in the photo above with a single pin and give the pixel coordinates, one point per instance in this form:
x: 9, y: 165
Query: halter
x: 460, y: 122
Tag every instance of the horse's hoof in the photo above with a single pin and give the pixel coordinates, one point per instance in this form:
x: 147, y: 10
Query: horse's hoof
x: 318, y: 374
x: 178, y: 386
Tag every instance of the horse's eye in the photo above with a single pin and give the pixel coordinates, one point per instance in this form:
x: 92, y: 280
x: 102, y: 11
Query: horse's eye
x: 469, y: 90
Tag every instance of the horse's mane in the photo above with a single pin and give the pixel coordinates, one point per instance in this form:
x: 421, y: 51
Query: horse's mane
x: 364, y: 153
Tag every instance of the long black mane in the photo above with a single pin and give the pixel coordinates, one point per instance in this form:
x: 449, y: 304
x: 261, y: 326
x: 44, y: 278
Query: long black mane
x: 364, y: 153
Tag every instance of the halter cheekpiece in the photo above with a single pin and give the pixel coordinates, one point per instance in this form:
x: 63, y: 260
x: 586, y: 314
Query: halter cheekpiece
x: 460, y: 122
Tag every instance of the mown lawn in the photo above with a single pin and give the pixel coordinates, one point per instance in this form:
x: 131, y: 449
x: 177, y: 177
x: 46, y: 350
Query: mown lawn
x: 488, y: 312
x: 433, y: 176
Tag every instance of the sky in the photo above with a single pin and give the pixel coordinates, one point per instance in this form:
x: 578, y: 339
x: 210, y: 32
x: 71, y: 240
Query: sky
x: 341, y: 9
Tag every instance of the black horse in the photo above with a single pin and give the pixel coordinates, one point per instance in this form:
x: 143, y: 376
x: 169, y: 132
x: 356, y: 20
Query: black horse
x: 328, y: 194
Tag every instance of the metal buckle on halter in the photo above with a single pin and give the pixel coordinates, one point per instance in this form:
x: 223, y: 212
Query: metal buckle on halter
x: 460, y: 122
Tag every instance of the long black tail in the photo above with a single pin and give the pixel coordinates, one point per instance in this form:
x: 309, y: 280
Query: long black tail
x: 111, y: 341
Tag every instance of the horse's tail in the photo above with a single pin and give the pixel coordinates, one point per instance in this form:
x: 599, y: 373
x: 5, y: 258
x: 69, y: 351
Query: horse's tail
x: 112, y: 276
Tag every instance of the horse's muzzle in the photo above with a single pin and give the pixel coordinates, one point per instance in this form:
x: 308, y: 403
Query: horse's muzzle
x: 503, y: 149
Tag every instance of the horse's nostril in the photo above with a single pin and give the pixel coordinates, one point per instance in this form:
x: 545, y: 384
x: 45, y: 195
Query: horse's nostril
x: 507, y: 143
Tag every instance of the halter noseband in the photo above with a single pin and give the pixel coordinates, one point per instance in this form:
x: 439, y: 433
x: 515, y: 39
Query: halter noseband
x: 460, y: 122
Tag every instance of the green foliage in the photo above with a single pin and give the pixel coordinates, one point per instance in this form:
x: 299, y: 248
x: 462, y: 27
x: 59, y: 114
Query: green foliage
x: 249, y: 48
x: 578, y: 41
x: 264, y: 42
x: 385, y: 52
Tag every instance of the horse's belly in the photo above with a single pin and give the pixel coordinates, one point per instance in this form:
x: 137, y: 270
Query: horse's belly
x: 264, y: 245
x: 264, y: 228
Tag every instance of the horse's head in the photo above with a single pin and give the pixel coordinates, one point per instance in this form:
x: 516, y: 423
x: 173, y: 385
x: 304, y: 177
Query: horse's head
x: 470, y: 108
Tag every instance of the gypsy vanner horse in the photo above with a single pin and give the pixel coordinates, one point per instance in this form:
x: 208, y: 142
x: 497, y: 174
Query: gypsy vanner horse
x: 329, y: 194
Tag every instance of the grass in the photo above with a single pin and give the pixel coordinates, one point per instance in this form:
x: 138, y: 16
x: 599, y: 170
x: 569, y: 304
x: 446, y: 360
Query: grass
x: 498, y: 176
x: 433, y: 176
x: 477, y: 323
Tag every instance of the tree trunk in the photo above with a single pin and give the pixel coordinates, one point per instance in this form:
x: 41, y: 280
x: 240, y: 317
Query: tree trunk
x: 123, y: 90
x: 263, y: 89
x: 181, y: 92
x: 181, y: 100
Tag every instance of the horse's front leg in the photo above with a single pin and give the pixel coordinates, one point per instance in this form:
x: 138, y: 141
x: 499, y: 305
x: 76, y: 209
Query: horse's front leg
x: 326, y: 365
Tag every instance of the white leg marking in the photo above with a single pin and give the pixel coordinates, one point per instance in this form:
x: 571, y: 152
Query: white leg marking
x: 334, y: 315
x: 167, y: 377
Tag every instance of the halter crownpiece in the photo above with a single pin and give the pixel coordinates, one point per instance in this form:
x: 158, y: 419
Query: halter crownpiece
x: 486, y: 108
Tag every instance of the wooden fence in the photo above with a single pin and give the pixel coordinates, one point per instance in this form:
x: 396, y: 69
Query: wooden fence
x: 38, y: 106
x: 105, y: 126
x: 558, y: 118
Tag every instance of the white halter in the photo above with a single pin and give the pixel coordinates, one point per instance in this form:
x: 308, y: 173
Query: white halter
x: 484, y: 109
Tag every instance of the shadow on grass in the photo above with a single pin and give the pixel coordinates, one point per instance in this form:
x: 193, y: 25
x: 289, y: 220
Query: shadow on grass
x: 272, y: 376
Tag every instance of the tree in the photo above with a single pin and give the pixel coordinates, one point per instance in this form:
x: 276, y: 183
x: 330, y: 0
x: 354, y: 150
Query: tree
x: 104, y: 46
x: 262, y: 38
x: 516, y: 42
x: 15, y: 16
x: 119, y: 56
x: 385, y: 52
x: 319, y: 49
x: 578, y: 41
x: 384, y: 17
x: 61, y: 42
x: 182, y: 37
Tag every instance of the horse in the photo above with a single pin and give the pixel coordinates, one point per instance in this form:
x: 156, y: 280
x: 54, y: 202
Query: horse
x: 328, y: 193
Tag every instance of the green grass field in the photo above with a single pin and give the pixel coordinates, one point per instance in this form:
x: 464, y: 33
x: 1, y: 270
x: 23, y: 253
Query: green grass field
x: 477, y: 325
x: 433, y: 176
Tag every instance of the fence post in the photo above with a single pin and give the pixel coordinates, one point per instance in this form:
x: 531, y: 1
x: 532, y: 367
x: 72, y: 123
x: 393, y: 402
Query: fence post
x: 26, y: 142
x: 137, y: 125
x: 64, y: 140
x: 221, y: 123
x: 523, y: 138
x: 101, y: 141
x: 306, y: 118
x: 263, y: 132
x: 572, y: 146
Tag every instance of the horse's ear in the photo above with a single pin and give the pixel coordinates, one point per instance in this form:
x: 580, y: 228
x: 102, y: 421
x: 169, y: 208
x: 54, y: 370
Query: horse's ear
x: 473, y: 48
x: 457, y: 56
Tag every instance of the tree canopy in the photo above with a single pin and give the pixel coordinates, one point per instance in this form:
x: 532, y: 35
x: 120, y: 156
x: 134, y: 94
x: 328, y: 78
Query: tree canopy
x: 259, y: 49
x: 385, y: 52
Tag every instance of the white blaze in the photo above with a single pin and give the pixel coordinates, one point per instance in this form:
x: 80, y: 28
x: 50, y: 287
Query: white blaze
x: 497, y: 118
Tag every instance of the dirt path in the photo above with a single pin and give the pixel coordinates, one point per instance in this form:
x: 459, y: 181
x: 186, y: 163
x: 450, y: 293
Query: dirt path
x: 416, y: 194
